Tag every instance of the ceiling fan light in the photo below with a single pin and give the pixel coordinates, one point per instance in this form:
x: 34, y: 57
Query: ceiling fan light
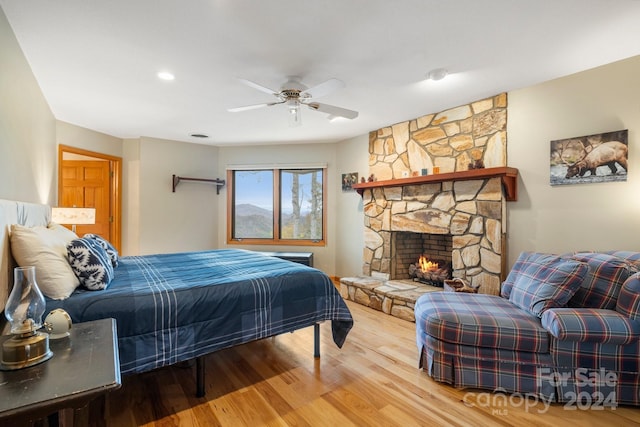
x: 295, y: 118
x: 437, y: 74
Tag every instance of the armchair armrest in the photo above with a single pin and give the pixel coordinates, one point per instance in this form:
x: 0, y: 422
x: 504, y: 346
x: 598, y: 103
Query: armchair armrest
x: 590, y: 325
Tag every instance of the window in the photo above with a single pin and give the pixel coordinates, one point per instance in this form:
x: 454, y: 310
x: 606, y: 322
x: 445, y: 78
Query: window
x: 276, y: 206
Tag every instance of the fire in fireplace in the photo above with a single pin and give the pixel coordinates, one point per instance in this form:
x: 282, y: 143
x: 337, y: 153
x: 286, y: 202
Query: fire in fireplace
x: 407, y: 247
x: 432, y: 272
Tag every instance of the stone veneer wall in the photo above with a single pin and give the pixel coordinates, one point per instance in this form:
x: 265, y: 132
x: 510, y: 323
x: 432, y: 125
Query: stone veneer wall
x: 449, y: 140
x: 473, y: 212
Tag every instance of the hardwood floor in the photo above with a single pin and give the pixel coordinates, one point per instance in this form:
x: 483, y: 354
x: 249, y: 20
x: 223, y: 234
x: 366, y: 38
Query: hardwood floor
x: 372, y: 381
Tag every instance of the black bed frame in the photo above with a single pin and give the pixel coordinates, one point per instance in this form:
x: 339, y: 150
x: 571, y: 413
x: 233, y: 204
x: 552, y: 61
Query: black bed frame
x: 200, y: 366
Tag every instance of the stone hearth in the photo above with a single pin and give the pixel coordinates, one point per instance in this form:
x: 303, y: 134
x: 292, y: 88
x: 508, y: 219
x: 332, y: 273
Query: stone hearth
x: 394, y: 297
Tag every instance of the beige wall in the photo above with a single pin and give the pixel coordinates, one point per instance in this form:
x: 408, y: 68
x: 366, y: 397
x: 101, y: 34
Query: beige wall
x: 131, y: 197
x: 27, y: 128
x: 187, y: 219
x: 87, y: 139
x: 574, y: 217
x: 349, y: 213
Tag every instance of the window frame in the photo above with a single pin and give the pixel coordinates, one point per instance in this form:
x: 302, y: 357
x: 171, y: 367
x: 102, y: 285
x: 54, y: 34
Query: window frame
x: 276, y: 240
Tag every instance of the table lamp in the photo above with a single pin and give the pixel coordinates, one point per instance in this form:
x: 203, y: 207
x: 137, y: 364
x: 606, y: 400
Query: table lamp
x: 24, y: 310
x: 73, y: 216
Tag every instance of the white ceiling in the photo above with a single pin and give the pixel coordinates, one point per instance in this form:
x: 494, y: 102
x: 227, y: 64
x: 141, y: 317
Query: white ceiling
x: 96, y: 61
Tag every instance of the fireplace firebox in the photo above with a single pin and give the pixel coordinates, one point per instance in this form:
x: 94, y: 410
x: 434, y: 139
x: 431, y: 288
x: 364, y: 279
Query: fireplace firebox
x: 407, y: 248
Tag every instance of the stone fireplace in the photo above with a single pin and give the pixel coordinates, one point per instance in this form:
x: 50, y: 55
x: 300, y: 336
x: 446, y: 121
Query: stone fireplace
x: 441, y: 175
x: 470, y: 212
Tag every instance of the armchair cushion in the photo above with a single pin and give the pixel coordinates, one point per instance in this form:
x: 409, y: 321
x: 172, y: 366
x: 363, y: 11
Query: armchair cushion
x: 544, y: 281
x: 631, y: 257
x: 629, y: 298
x: 590, y: 325
x: 479, y: 320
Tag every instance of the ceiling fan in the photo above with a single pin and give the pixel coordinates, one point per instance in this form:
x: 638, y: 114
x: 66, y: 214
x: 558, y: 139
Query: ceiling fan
x: 294, y: 94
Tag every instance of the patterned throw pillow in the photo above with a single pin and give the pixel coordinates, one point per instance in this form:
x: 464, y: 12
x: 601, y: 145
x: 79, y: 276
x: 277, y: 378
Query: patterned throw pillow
x: 108, y: 247
x: 90, y: 263
x: 602, y: 283
x: 521, y: 262
x: 546, y: 281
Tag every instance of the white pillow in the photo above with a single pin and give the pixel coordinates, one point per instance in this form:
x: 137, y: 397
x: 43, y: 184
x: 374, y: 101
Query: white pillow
x: 46, y: 249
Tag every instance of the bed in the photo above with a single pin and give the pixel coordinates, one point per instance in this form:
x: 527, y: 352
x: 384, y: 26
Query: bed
x: 171, y: 308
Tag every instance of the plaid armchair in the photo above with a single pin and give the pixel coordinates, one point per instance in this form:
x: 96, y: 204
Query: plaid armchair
x: 565, y: 328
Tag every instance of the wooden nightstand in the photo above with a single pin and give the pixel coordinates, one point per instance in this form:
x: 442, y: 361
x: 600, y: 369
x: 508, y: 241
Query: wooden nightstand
x: 84, y: 366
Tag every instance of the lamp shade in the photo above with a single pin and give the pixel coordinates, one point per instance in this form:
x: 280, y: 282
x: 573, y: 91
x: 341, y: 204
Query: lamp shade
x: 73, y: 216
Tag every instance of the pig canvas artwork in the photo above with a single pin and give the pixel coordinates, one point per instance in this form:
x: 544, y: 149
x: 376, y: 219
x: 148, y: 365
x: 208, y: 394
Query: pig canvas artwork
x: 592, y: 158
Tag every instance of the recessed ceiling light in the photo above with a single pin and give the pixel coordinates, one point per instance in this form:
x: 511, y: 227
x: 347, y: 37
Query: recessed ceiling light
x: 165, y: 75
x: 437, y: 74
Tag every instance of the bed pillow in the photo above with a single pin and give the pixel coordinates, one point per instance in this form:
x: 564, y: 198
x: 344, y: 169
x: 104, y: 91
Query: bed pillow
x: 46, y: 249
x: 545, y: 281
x: 108, y: 247
x: 90, y: 263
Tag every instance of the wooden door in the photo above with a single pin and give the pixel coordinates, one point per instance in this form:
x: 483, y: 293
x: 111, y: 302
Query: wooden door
x: 86, y: 184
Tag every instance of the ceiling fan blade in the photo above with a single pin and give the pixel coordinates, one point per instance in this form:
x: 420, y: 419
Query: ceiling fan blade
x: 333, y: 110
x: 325, y: 88
x: 259, y: 87
x: 253, y: 107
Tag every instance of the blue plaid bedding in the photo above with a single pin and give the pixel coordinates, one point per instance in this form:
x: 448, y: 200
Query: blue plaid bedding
x: 174, y: 307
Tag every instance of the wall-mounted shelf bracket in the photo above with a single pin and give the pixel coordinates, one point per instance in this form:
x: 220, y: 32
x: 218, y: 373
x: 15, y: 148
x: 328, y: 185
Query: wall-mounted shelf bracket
x: 219, y: 182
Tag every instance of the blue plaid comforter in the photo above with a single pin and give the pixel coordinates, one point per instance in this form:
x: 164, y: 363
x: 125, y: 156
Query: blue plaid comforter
x: 174, y: 307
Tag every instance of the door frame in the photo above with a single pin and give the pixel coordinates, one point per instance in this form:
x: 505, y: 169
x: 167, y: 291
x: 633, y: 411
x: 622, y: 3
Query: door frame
x: 115, y: 187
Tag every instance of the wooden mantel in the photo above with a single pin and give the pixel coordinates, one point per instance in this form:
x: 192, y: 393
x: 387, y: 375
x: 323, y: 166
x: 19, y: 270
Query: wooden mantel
x: 508, y: 175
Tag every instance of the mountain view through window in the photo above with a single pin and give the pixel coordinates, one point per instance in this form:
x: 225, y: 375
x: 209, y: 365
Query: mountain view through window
x: 294, y: 211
